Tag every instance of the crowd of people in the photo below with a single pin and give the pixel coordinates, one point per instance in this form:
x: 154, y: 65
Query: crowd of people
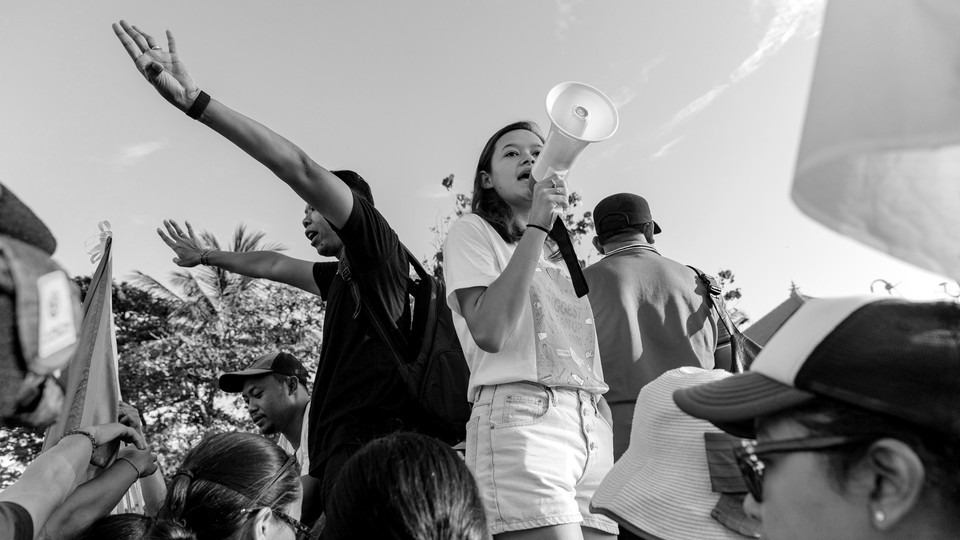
x: 592, y: 417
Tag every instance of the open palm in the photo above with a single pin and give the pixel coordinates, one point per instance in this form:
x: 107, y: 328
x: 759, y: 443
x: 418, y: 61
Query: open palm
x: 163, y: 69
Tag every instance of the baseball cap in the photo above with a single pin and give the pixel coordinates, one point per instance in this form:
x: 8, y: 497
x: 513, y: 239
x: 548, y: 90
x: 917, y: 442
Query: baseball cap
x: 621, y: 211
x: 275, y: 362
x: 891, y: 356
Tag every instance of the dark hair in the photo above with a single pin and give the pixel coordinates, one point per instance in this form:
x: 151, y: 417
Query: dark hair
x: 487, y: 203
x: 225, y: 474
x: 135, y: 527
x: 940, y: 453
x: 356, y: 183
x: 405, y: 486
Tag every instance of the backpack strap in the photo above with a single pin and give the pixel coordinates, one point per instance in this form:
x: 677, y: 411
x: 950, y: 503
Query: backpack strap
x: 720, y: 308
x: 716, y: 300
x: 387, y: 330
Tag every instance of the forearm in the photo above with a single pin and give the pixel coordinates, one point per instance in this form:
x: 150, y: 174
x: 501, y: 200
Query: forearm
x: 255, y: 264
x: 154, y: 492
x: 268, y: 265
x: 50, y: 478
x: 317, y: 186
x: 496, y: 312
x: 90, y: 501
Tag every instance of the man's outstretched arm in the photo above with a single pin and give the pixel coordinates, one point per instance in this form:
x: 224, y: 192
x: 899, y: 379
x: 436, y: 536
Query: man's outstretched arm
x: 317, y: 186
x: 256, y: 264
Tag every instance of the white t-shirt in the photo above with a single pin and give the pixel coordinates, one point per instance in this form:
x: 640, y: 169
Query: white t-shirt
x: 301, y: 453
x: 554, y: 343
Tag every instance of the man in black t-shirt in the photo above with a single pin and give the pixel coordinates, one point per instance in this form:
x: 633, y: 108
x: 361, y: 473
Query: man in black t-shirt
x: 358, y: 394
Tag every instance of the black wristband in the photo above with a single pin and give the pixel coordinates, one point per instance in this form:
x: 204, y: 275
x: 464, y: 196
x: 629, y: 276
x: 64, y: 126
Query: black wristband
x: 199, y: 105
x: 535, y: 226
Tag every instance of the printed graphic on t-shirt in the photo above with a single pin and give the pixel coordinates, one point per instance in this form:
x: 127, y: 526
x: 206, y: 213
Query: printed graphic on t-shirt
x: 563, y: 332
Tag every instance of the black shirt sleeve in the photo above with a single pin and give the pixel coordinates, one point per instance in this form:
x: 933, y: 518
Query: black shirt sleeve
x: 376, y: 259
x: 15, y: 522
x: 368, y: 239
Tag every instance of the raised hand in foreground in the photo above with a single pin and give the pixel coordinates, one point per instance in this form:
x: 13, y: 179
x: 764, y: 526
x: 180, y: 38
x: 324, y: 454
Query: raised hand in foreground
x: 187, y: 246
x: 163, y: 69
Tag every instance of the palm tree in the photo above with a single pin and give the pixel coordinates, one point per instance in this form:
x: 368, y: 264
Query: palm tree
x: 205, y: 292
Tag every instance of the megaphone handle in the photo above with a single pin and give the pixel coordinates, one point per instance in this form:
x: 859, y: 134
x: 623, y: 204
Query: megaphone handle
x: 560, y: 235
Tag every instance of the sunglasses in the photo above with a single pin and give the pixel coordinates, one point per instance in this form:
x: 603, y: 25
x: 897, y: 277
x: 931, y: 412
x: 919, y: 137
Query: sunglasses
x: 300, y: 531
x: 750, y: 455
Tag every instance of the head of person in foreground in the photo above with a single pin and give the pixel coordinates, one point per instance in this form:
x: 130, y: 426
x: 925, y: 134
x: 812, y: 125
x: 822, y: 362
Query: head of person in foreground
x: 853, y: 415
x: 406, y: 487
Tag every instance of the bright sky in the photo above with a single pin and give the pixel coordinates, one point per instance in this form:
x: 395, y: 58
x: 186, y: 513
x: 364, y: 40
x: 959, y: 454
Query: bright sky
x: 711, y: 96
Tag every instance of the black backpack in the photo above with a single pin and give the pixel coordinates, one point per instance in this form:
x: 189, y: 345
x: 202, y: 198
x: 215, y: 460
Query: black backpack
x: 429, y: 356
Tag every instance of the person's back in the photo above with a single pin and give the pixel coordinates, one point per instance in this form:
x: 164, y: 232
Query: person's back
x: 657, y: 314
x: 652, y: 314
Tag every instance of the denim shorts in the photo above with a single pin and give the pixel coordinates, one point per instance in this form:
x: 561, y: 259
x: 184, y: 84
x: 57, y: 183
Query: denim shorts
x: 538, y: 454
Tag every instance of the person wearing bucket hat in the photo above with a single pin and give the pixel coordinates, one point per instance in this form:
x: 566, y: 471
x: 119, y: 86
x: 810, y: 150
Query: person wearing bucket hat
x: 855, y: 407
x: 652, y: 313
x: 670, y: 485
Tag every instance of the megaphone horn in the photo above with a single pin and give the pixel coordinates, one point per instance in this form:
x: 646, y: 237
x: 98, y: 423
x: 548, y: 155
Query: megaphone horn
x: 579, y: 115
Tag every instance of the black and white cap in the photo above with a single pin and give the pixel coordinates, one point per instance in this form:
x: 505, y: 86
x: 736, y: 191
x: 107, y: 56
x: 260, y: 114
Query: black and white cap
x: 891, y: 356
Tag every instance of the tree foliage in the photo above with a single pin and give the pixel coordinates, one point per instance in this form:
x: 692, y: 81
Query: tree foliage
x: 173, y: 343
x: 173, y: 380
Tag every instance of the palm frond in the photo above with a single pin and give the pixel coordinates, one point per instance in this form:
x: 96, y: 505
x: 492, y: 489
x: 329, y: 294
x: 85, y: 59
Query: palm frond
x: 210, y: 240
x: 151, y: 285
x: 244, y: 241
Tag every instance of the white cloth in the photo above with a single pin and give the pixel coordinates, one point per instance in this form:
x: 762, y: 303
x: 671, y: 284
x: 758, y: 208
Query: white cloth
x: 880, y: 153
x: 302, y: 454
x: 554, y: 342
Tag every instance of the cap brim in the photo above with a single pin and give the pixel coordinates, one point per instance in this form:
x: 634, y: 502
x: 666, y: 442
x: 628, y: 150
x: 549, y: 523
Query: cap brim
x: 233, y: 382
x: 732, y: 404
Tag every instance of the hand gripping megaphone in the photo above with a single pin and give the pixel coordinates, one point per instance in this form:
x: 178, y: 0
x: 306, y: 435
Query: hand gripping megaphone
x: 579, y: 115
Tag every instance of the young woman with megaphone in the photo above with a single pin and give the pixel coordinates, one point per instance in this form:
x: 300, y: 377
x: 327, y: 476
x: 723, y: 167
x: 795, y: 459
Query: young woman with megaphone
x: 538, y: 440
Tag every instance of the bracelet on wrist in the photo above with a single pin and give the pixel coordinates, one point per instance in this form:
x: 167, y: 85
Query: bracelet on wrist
x: 132, y: 464
x: 205, y: 257
x: 85, y: 433
x: 535, y: 226
x: 199, y: 105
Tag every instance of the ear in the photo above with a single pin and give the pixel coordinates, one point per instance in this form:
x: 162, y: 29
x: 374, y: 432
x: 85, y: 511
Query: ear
x: 261, y: 524
x: 899, y: 476
x: 597, y: 244
x: 292, y: 384
x: 485, y: 181
x: 648, y: 233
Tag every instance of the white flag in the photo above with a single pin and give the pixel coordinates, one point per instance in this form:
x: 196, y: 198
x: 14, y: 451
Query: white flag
x: 880, y: 155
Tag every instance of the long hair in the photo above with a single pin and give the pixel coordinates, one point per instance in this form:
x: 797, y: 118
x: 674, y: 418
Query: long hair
x: 405, y: 487
x: 225, y: 474
x: 487, y: 203
x: 135, y: 527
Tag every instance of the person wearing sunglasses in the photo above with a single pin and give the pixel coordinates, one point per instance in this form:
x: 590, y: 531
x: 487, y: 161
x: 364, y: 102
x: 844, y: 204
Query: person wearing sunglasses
x: 852, y: 419
x: 230, y: 485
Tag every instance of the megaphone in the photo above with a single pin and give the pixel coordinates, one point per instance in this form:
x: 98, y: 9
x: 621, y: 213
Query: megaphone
x: 579, y: 115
